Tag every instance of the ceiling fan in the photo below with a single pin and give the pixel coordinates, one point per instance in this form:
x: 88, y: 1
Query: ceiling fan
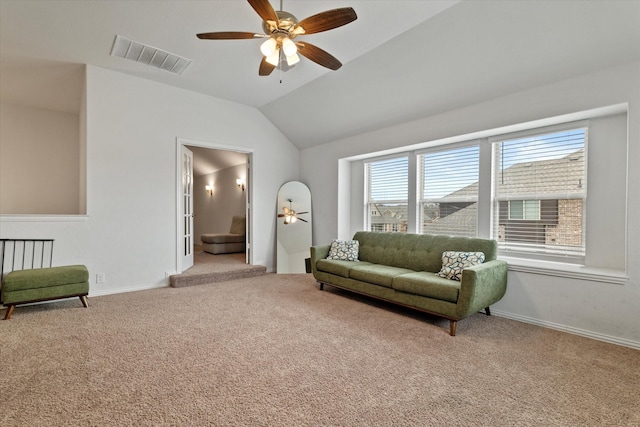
x: 281, y: 28
x: 290, y: 216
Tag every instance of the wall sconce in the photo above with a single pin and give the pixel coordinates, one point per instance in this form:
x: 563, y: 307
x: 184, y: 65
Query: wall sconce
x: 209, y: 189
x: 240, y: 184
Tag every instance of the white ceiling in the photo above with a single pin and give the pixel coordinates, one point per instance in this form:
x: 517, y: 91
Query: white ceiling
x: 209, y: 160
x: 402, y: 59
x: 83, y: 32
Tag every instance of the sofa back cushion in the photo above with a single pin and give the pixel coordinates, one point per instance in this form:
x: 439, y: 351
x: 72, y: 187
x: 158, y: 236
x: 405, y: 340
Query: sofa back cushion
x: 419, y: 252
x: 238, y: 225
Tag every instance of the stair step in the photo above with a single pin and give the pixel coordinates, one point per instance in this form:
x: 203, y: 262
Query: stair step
x: 182, y: 280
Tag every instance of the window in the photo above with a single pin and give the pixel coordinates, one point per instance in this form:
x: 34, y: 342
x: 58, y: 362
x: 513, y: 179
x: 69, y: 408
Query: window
x: 528, y: 189
x: 386, y: 194
x: 524, y: 209
x: 539, y: 192
x: 448, y: 188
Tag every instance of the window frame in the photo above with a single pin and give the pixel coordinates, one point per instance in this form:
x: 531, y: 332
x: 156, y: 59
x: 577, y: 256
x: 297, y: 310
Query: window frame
x: 546, y: 252
x: 420, y: 179
x: 524, y: 209
x: 369, y: 202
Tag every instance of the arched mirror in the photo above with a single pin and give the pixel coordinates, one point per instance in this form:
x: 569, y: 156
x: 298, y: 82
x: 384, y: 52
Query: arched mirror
x: 293, y: 227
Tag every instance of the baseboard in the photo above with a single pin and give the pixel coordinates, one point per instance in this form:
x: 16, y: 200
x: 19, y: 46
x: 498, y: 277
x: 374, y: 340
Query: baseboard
x: 568, y: 329
x: 103, y: 292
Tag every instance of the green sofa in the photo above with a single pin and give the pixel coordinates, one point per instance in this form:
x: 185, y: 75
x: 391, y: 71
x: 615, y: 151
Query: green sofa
x: 401, y: 268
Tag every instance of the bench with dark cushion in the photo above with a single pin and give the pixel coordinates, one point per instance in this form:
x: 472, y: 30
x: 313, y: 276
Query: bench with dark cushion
x: 43, y: 284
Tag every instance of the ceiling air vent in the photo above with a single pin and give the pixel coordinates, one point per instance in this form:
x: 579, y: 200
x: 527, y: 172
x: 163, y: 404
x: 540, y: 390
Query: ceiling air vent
x: 149, y: 55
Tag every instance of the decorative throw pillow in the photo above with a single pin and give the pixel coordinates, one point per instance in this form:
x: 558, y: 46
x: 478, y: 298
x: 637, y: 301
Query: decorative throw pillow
x: 344, y: 250
x: 454, y: 262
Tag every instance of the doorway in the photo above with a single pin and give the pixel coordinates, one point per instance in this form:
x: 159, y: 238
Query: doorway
x: 218, y: 186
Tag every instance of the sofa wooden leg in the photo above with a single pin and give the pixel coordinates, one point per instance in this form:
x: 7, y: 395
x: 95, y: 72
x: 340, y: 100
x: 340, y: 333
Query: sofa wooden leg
x: 487, y: 311
x: 84, y: 301
x: 9, y: 312
x: 321, y: 286
x: 452, y: 327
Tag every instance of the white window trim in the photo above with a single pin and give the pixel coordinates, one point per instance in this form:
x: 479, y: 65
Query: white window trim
x: 566, y: 270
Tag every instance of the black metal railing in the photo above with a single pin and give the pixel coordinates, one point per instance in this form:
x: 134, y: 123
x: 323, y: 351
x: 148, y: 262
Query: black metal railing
x: 20, y: 254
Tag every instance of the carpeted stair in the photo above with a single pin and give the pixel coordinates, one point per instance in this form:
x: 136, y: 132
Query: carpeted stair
x: 200, y: 278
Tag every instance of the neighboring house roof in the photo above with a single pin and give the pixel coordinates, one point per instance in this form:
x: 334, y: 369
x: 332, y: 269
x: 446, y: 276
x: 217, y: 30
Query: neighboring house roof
x: 460, y: 223
x: 390, y: 215
x: 547, y: 172
x: 463, y: 222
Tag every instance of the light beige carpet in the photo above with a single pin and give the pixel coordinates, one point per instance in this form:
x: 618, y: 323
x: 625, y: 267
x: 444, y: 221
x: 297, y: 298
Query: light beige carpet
x: 276, y: 351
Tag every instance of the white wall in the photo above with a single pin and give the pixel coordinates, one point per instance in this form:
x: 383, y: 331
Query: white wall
x: 214, y: 213
x: 132, y: 126
x: 39, y: 161
x: 601, y: 310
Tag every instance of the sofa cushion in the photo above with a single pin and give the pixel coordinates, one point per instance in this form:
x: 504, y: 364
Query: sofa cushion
x: 222, y: 238
x: 377, y: 274
x: 427, y: 284
x: 344, y: 250
x: 238, y: 225
x: 45, y: 277
x: 418, y: 252
x: 340, y: 268
x: 454, y: 262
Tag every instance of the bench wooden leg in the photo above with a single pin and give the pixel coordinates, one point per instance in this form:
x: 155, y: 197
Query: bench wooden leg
x: 85, y: 301
x: 452, y: 327
x: 9, y: 312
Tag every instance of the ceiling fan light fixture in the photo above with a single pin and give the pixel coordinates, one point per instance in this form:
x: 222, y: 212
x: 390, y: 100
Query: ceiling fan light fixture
x: 289, y: 47
x: 274, y: 58
x: 281, y: 28
x: 292, y: 59
x: 269, y: 47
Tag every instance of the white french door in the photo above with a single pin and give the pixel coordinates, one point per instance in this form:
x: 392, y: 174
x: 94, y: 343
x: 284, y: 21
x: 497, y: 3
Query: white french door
x: 186, y: 207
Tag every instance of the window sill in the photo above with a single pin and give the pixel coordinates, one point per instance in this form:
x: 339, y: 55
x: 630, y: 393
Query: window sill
x: 43, y: 218
x: 569, y: 271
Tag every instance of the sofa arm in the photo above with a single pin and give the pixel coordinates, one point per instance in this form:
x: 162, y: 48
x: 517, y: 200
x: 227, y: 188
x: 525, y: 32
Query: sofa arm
x: 318, y: 252
x: 481, y: 286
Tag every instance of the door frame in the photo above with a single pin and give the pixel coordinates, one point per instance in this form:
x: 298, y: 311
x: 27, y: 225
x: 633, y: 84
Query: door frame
x: 186, y: 257
x: 180, y: 142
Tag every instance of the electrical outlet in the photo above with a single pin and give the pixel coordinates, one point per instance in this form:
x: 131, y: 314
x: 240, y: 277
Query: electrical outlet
x: 100, y: 278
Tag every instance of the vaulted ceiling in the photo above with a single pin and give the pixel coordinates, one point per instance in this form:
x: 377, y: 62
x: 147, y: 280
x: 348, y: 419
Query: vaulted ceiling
x: 402, y: 59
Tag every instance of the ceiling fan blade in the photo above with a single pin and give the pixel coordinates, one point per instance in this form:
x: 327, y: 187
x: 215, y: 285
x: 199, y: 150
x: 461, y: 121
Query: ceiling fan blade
x: 319, y: 56
x: 327, y: 20
x: 265, y: 69
x: 265, y: 10
x: 229, y: 35
x: 303, y: 220
x: 300, y: 213
x: 281, y: 215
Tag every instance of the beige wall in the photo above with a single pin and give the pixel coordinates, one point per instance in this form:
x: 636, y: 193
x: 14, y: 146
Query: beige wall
x: 39, y: 161
x: 214, y: 213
